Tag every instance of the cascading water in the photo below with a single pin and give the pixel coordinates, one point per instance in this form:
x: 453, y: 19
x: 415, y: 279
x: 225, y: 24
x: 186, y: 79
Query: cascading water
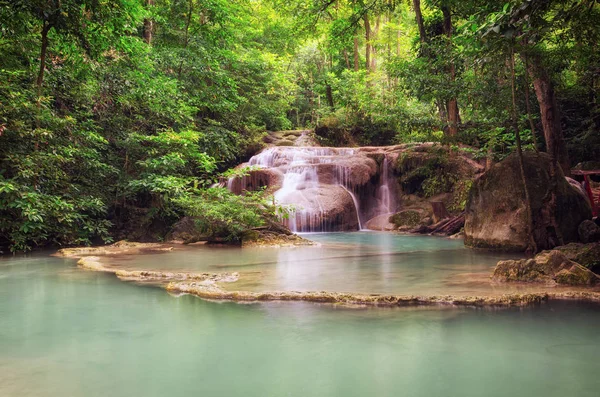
x: 324, y: 187
x: 385, y: 197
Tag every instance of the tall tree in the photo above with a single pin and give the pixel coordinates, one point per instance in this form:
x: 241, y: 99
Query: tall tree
x: 148, y: 23
x: 452, y: 104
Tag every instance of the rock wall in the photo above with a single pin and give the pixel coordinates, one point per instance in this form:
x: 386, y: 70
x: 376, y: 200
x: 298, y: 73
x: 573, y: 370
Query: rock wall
x: 496, y: 212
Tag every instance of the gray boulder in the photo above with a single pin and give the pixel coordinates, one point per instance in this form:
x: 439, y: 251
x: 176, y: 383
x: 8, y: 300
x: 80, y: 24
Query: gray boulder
x: 496, y: 212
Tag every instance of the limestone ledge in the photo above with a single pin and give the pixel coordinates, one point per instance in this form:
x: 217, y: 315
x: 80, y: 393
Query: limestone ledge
x: 213, y: 292
x: 118, y: 248
x: 94, y: 263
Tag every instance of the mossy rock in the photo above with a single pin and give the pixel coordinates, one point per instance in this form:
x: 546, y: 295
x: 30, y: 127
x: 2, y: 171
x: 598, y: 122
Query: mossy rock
x: 587, y: 255
x: 294, y: 133
x: 576, y: 275
x: 547, y: 267
x: 285, y: 142
x: 406, y: 218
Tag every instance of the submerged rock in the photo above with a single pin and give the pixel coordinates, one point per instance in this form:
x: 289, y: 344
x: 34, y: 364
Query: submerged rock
x: 551, y: 267
x: 94, y: 263
x: 496, y: 212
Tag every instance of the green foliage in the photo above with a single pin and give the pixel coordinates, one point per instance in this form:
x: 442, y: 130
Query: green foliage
x: 109, y: 128
x: 220, y: 214
x: 31, y: 218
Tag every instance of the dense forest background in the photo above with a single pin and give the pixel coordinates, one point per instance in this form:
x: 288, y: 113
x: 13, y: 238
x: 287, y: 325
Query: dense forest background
x: 117, y: 115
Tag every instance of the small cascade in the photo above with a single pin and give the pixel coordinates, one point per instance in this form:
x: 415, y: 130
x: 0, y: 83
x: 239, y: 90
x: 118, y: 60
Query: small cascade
x: 385, y: 197
x: 326, y: 188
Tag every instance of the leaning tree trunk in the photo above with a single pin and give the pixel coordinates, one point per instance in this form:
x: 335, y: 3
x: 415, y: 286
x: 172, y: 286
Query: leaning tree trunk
x: 544, y: 90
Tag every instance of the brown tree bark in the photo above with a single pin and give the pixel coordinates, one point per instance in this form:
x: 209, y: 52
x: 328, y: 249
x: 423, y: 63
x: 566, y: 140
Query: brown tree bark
x: 346, y: 59
x: 544, y: 90
x: 528, y: 106
x: 329, y: 94
x: 532, y: 246
x: 453, y: 116
x: 43, y: 53
x: 419, y: 18
x: 148, y: 25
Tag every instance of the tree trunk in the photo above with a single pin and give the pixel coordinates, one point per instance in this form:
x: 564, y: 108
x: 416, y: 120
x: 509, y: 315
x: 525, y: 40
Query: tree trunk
x: 374, y: 35
x: 347, y: 59
x: 186, y: 39
x: 419, y: 18
x: 532, y: 247
x: 356, y: 60
x: 453, y: 117
x: 148, y: 25
x: 329, y: 94
x: 528, y: 106
x: 544, y: 90
x: 367, y: 43
x: 439, y: 211
x: 43, y: 52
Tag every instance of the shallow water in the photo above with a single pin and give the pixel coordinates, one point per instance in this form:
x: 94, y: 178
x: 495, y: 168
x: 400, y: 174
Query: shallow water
x: 360, y: 262
x: 70, y: 332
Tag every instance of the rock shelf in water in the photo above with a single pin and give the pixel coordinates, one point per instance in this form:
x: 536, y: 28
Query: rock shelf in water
x: 94, y: 263
x: 212, y: 292
x: 205, y: 286
x: 118, y: 248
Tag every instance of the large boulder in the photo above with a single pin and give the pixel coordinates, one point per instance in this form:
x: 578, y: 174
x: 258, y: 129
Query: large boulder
x: 380, y: 222
x: 496, y: 212
x: 355, y: 171
x: 550, y: 267
x: 323, y: 208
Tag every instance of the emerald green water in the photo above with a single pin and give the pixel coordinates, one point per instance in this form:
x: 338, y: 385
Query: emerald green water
x: 359, y: 262
x: 69, y: 332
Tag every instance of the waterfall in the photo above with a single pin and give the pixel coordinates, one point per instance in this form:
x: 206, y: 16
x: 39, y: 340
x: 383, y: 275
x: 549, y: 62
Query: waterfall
x: 326, y: 188
x: 385, y: 198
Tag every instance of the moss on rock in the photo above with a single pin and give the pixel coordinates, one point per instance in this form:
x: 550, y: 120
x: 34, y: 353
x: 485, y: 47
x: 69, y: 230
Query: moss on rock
x: 587, y: 255
x: 551, y: 267
x: 409, y: 218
